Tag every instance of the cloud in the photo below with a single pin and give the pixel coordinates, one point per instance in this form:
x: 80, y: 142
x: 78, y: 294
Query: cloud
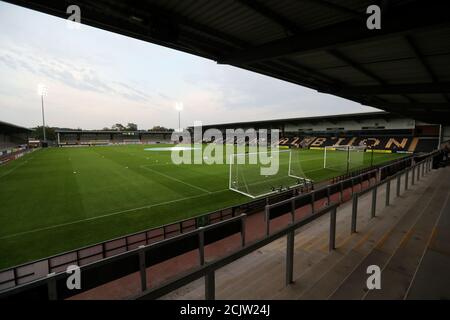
x: 75, y: 74
x: 98, y: 78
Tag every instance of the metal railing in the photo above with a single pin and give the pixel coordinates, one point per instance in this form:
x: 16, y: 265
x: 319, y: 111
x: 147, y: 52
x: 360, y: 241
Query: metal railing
x: 28, y: 272
x: 208, y: 271
x: 31, y: 271
x: 53, y: 284
x: 416, y: 170
x: 137, y: 241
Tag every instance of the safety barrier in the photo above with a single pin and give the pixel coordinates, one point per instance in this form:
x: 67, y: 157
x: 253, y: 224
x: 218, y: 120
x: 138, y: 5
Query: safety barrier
x: 53, y: 286
x: 118, y: 263
x: 208, y: 271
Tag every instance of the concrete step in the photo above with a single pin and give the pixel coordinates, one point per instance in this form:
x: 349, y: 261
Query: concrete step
x: 321, y: 281
x: 319, y: 274
x: 431, y: 280
x: 399, y: 272
x: 354, y: 286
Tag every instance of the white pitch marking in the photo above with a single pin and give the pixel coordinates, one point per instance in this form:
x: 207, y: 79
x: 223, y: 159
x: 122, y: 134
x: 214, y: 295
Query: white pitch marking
x: 8, y: 172
x: 109, y: 215
x: 175, y: 179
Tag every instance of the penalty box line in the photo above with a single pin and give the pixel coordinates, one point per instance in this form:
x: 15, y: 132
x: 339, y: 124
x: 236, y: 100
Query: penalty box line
x: 176, y: 180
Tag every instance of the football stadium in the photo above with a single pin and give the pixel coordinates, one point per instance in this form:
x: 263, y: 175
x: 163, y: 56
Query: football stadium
x: 297, y: 208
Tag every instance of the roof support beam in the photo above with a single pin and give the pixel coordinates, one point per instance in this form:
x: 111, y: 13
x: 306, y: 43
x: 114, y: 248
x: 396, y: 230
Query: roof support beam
x: 420, y: 57
x: 313, y: 72
x: 338, y: 55
x: 423, y: 61
x: 419, y: 105
x: 302, y: 74
x: 265, y: 11
x: 141, y: 24
x: 338, y: 8
x: 407, y: 88
x: 402, y: 20
x: 364, y: 70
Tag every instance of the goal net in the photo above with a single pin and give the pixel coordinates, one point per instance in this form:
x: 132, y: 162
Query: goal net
x: 344, y: 158
x: 248, y: 172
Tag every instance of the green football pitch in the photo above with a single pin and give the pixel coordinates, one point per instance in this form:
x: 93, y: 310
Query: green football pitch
x: 58, y: 199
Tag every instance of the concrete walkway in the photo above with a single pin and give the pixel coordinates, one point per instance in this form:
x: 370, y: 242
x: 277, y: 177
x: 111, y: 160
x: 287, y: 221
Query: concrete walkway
x: 408, y: 240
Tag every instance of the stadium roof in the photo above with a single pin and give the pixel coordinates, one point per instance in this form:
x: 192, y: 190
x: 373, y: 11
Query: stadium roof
x: 315, y: 119
x: 404, y: 67
x: 111, y: 131
x: 6, y: 127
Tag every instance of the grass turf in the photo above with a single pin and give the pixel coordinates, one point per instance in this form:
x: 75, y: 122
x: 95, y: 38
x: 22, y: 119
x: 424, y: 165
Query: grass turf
x: 59, y: 199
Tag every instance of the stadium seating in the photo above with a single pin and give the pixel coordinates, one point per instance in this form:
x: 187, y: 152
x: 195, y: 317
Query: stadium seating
x: 117, y: 138
x: 426, y: 144
x: 391, y: 142
x: 150, y: 138
x: 103, y: 138
x: 69, y: 139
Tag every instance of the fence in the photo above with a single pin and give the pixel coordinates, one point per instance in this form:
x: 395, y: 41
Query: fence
x: 393, y: 166
x: 53, y: 286
x: 6, y: 157
x: 29, y: 272
x: 208, y: 271
x: 115, y: 250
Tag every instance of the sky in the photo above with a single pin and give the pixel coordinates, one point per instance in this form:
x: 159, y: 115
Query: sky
x: 97, y: 78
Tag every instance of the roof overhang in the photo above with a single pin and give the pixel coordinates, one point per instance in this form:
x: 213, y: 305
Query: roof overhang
x: 6, y: 127
x: 325, y: 45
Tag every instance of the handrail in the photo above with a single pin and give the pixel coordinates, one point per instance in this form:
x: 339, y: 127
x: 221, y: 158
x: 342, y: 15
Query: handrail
x: 120, y: 256
x: 340, y: 184
x: 178, y: 222
x: 208, y: 270
x: 217, y: 264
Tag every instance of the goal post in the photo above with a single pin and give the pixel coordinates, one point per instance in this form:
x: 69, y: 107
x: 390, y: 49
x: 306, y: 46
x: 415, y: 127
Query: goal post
x: 343, y: 158
x: 247, y: 177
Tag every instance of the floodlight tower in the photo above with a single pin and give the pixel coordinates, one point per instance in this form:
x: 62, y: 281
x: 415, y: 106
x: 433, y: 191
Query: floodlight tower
x: 42, y: 91
x: 179, y: 108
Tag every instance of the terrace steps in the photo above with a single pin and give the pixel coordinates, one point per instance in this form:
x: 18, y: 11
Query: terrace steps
x: 318, y: 274
x: 400, y: 270
x: 347, y: 280
x: 321, y: 281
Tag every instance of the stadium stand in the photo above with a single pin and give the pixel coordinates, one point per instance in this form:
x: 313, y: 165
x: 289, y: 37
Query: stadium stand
x: 392, y: 143
x: 249, y: 228
x: 69, y: 139
x: 413, y: 266
x: 398, y: 134
x: 13, y: 141
x: 155, y: 137
x: 395, y: 69
x: 93, y: 137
